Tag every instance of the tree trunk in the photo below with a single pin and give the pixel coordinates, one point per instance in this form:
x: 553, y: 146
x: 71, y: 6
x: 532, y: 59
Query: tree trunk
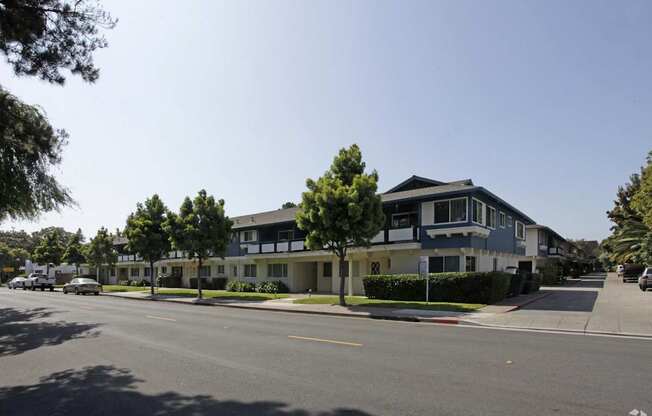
x: 47, y: 269
x: 97, y: 270
x: 199, y: 278
x: 342, y: 280
x: 151, y: 277
x: 76, y: 269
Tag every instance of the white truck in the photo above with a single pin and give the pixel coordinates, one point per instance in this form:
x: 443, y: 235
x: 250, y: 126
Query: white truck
x: 39, y: 281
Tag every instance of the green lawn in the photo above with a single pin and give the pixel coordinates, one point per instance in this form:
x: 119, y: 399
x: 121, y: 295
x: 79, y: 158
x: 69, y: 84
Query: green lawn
x: 380, y: 303
x: 223, y: 294
x: 119, y: 288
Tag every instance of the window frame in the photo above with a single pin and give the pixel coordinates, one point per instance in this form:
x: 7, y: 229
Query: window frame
x: 516, y: 224
x: 402, y: 214
x: 330, y: 271
x: 220, y: 269
x: 443, y: 264
x: 291, y: 234
x: 502, y: 219
x: 136, y: 270
x: 371, y: 268
x: 254, y: 236
x: 282, y: 267
x: 248, y: 268
x: 450, y: 211
x: 466, y: 264
x: 487, y: 210
x: 482, y: 211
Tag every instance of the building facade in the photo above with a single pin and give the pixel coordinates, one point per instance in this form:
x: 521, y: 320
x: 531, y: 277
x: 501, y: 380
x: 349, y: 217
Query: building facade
x: 459, y: 226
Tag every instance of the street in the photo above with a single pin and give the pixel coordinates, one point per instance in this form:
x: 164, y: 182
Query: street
x: 85, y: 355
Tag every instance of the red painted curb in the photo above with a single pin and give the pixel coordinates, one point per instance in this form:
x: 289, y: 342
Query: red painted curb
x: 448, y: 321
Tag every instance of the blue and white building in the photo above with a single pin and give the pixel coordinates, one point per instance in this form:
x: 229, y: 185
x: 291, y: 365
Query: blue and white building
x: 458, y: 225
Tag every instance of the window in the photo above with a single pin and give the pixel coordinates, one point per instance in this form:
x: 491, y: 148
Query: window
x: 478, y: 208
x: 543, y: 238
x: 248, y: 235
x: 146, y: 272
x: 112, y: 271
x: 441, y: 264
x: 277, y: 270
x: 220, y: 269
x: 502, y: 220
x: 177, y: 271
x: 520, y: 230
x: 491, y: 217
x: 328, y: 269
x: 250, y: 270
x: 470, y: 264
x: 135, y: 272
x: 164, y: 269
x: 509, y: 221
x: 375, y: 267
x: 205, y: 271
x: 404, y: 219
x: 450, y: 211
x: 235, y: 270
x: 286, y: 235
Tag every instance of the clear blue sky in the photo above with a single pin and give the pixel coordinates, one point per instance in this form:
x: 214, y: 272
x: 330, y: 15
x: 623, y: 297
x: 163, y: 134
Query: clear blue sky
x: 548, y: 104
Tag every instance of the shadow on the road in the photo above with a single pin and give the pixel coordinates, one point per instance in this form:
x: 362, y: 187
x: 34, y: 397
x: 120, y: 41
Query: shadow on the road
x: 566, y: 301
x: 106, y: 390
x: 19, y: 333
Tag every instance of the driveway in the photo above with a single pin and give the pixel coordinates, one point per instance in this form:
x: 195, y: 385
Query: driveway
x: 594, y: 303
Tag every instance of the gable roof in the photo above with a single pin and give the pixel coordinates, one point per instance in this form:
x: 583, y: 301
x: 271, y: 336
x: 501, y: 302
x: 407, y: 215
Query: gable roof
x: 418, y: 182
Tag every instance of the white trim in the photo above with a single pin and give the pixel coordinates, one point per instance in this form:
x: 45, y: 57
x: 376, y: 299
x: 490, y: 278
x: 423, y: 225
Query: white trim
x: 466, y: 211
x: 466, y: 231
x: 501, y: 213
x: 482, y: 211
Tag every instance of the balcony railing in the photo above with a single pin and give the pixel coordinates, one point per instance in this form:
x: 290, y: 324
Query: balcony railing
x: 395, y: 235
x: 276, y: 247
x: 555, y: 251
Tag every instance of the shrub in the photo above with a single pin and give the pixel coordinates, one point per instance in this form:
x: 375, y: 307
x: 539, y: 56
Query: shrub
x: 124, y: 283
x: 552, y: 273
x: 473, y: 287
x: 532, y: 283
x: 517, y: 283
x: 134, y: 283
x: 144, y: 283
x: 169, y: 281
x: 274, y: 286
x: 240, y: 286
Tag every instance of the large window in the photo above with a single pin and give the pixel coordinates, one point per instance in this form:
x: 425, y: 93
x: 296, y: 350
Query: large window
x: 491, y: 217
x: 441, y: 264
x: 205, y: 271
x: 502, y: 220
x: 404, y: 219
x: 250, y: 270
x: 277, y: 270
x: 135, y: 272
x: 478, y: 211
x: 285, y: 235
x: 375, y: 267
x: 177, y: 271
x: 146, y: 272
x: 471, y: 264
x: 450, y: 211
x: 220, y: 269
x: 543, y: 238
x: 328, y: 269
x: 248, y: 235
x: 520, y: 230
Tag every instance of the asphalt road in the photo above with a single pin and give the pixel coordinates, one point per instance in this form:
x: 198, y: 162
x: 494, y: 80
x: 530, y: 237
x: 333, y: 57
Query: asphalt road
x: 85, y: 355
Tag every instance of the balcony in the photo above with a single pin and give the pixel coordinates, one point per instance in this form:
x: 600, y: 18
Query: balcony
x: 276, y: 247
x: 555, y: 251
x: 395, y: 235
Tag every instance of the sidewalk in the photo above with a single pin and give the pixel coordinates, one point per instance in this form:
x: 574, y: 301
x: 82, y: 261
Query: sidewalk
x: 287, y: 305
x: 596, y: 304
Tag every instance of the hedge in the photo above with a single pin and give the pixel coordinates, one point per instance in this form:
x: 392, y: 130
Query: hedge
x: 215, y: 283
x: 471, y: 287
x: 272, y: 286
x: 240, y: 286
x: 169, y: 281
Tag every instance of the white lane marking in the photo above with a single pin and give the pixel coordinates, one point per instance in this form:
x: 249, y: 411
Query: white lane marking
x: 160, y: 317
x: 329, y: 341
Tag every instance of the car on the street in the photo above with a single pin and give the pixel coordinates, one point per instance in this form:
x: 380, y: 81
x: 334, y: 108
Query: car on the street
x: 645, y: 279
x: 632, y: 272
x: 82, y: 285
x: 16, y: 282
x: 40, y: 281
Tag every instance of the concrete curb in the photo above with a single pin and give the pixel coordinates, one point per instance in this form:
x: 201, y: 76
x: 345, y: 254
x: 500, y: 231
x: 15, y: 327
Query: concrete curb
x: 517, y: 307
x: 564, y: 331
x: 443, y: 320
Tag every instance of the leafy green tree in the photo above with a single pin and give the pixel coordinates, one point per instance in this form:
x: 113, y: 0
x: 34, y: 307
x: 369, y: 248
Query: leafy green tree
x: 201, y: 229
x: 642, y: 199
x: 100, y: 251
x: 74, y: 253
x: 341, y: 209
x: 288, y: 204
x: 40, y: 38
x: 146, y: 235
x: 49, y: 251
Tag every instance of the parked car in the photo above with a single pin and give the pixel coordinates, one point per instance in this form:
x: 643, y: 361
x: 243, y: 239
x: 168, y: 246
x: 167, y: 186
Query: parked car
x: 81, y: 285
x: 16, y: 282
x: 40, y: 281
x: 645, y: 280
x: 632, y: 272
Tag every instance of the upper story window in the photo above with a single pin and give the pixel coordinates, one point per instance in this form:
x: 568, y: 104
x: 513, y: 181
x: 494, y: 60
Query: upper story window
x: 509, y: 221
x: 543, y: 238
x: 520, y: 230
x: 451, y: 211
x: 491, y: 217
x: 502, y: 219
x: 286, y: 235
x: 478, y: 212
x: 404, y: 219
x: 250, y: 235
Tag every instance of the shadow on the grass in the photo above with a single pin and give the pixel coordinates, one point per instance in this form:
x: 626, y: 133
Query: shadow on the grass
x: 107, y: 390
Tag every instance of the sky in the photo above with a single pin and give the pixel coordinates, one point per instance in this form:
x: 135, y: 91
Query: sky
x: 546, y: 104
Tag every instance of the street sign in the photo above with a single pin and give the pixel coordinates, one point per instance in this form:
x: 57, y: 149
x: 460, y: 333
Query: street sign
x: 423, y: 272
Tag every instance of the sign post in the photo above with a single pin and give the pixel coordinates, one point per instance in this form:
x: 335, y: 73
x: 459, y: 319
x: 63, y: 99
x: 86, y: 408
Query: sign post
x: 423, y: 273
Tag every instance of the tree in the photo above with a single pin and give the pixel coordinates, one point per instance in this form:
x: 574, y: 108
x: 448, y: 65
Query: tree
x: 100, y: 251
x: 201, y: 229
x: 288, y: 204
x: 74, y: 253
x: 49, y: 251
x: 40, y: 38
x: 341, y: 209
x: 146, y: 235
